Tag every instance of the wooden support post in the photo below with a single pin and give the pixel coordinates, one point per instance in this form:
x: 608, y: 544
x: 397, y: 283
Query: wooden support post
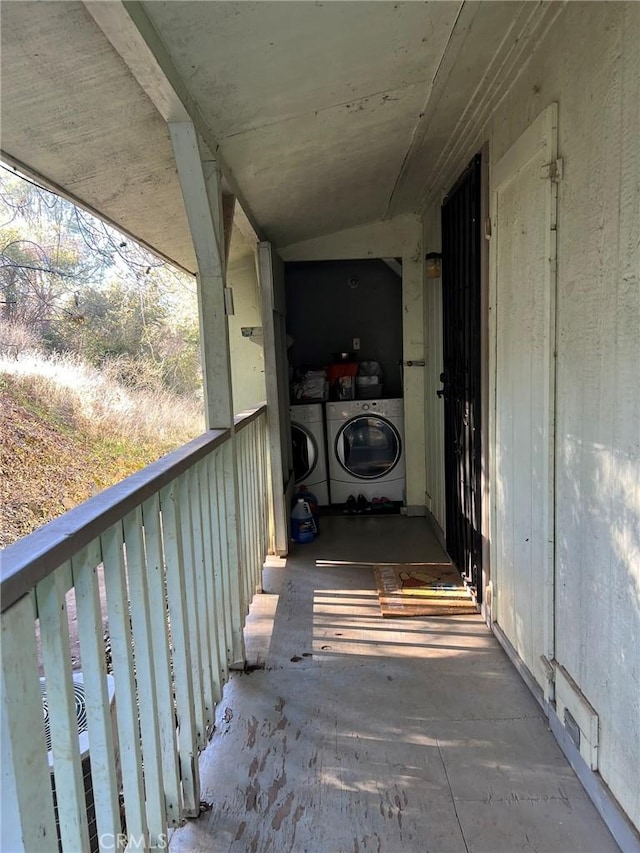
x: 201, y: 189
x: 200, y: 184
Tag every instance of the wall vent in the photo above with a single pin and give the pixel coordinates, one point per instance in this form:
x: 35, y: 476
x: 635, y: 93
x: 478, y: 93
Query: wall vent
x: 573, y: 729
x: 578, y: 715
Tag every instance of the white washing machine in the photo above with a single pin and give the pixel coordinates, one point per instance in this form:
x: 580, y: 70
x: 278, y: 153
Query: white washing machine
x: 365, y: 440
x: 310, y: 449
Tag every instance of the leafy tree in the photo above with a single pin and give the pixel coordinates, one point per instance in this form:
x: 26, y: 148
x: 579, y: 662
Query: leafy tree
x: 83, y: 286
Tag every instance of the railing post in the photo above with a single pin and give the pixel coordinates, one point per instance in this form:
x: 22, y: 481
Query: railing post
x: 230, y: 468
x: 94, y: 670
x: 141, y: 618
x: 182, y: 671
x: 28, y: 821
x: 160, y: 639
x: 123, y: 669
x: 54, y: 635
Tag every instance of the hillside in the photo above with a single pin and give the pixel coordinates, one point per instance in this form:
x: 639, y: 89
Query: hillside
x: 58, y: 446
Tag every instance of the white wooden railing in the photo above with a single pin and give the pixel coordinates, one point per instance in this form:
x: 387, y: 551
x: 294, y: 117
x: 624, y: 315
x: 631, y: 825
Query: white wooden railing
x: 169, y: 560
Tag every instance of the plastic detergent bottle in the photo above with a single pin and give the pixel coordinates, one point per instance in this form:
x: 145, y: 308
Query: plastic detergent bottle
x: 312, y: 501
x: 302, y: 525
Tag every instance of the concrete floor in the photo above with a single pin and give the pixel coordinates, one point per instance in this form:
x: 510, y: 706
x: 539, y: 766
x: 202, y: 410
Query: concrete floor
x: 369, y: 735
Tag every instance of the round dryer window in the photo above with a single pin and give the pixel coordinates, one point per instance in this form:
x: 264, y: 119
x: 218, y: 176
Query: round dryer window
x: 305, y: 452
x: 368, y: 447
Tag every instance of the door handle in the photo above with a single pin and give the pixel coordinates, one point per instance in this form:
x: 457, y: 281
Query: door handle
x: 443, y: 391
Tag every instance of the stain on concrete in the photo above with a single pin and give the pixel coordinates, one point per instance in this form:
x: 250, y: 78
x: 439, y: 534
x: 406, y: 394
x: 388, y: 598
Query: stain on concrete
x: 264, y: 760
x: 252, y: 796
x: 276, y: 786
x: 252, y: 728
x: 282, y: 813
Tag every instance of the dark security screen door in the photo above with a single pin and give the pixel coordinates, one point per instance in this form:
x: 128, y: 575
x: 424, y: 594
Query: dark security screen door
x: 461, y: 276
x: 368, y: 447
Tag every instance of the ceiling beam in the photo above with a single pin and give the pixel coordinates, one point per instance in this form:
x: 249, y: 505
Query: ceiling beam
x: 25, y: 171
x: 128, y: 28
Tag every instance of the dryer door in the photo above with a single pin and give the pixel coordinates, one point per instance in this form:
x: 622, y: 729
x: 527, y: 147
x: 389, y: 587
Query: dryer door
x: 305, y: 452
x: 368, y: 448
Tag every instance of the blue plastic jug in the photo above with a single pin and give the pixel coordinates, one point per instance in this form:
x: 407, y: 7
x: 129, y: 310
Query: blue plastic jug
x: 312, y: 502
x: 302, y: 524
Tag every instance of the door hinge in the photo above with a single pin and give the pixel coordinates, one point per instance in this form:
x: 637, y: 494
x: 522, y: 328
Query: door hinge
x: 487, y: 228
x: 553, y: 170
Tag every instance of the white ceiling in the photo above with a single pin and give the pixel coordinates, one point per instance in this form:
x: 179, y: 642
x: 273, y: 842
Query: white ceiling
x: 327, y: 114
x: 314, y: 104
x: 71, y: 111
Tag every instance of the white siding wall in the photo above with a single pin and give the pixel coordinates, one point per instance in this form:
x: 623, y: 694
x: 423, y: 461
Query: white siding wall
x: 590, y: 64
x: 247, y: 357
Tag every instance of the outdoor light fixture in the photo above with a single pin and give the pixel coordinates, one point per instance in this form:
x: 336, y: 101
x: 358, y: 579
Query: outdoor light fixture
x: 433, y: 264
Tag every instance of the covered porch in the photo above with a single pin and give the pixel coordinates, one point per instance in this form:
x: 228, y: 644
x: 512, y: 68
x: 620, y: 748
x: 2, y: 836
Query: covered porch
x: 359, y: 733
x: 232, y: 139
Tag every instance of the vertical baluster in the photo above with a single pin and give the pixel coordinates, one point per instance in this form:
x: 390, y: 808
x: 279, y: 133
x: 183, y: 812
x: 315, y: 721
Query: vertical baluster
x: 261, y: 477
x: 145, y: 674
x: 63, y: 723
x: 251, y: 485
x: 28, y: 821
x: 220, y: 612
x: 266, y: 530
x: 225, y: 564
x: 262, y: 444
x: 200, y: 570
x: 126, y: 699
x: 183, y: 486
x: 236, y: 570
x: 94, y: 670
x: 249, y: 479
x: 260, y: 555
x: 160, y: 639
x: 209, y: 598
x: 255, y: 510
x: 182, y: 672
x: 243, y: 490
x: 270, y: 497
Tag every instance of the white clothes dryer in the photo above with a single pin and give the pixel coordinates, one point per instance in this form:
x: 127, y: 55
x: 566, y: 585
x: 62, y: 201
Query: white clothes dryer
x: 309, y: 447
x: 365, y: 440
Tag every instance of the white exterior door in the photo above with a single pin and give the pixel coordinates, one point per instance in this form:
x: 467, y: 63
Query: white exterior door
x: 523, y: 377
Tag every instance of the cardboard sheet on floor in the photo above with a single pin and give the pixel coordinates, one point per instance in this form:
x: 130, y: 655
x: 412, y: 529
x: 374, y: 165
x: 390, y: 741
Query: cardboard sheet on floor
x: 421, y: 589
